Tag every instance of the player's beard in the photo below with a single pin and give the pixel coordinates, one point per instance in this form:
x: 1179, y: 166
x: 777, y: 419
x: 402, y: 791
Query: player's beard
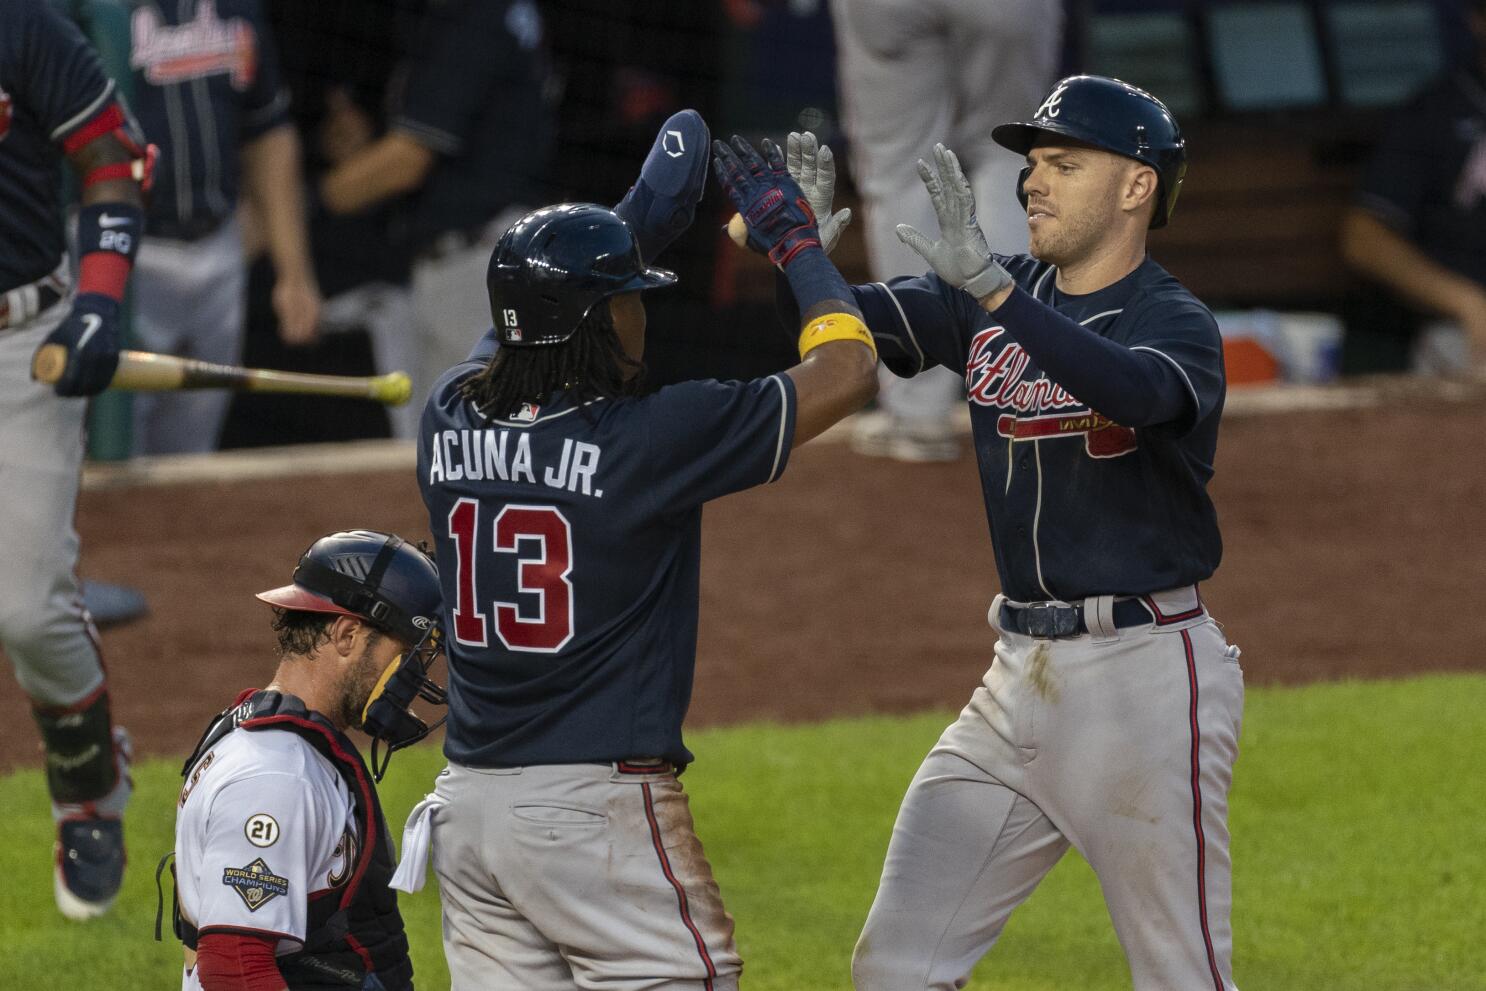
x: 358, y: 683
x: 1068, y: 239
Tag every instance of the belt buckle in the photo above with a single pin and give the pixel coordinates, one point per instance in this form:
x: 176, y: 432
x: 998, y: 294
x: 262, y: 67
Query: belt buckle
x: 1049, y: 620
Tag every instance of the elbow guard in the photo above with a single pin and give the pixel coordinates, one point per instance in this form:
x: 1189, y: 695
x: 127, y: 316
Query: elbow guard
x: 114, y: 121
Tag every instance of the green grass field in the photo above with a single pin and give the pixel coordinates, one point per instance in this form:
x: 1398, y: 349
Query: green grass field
x: 1358, y: 817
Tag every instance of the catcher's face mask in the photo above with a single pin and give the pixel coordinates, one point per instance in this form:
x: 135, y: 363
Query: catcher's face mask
x: 388, y: 716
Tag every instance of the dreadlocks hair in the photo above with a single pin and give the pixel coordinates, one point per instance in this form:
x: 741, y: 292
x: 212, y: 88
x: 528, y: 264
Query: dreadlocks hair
x: 590, y: 365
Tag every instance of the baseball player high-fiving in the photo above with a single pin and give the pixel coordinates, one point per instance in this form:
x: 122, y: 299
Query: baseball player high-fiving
x: 1109, y: 719
x: 282, y: 855
x: 56, y: 103
x: 567, y: 510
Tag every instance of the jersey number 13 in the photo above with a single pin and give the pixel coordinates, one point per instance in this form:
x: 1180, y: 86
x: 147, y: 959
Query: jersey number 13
x: 545, y: 629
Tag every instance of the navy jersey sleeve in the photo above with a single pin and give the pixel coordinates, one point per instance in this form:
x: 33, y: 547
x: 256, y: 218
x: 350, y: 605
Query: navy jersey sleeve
x: 917, y: 322
x: 1391, y: 188
x: 922, y: 321
x: 1142, y: 381
x: 470, y: 44
x: 265, y: 103
x: 61, y: 81
x: 1185, y: 335
x: 707, y: 439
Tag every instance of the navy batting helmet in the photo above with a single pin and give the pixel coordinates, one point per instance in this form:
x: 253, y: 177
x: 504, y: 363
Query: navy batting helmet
x: 1112, y: 115
x: 378, y: 577
x: 550, y: 269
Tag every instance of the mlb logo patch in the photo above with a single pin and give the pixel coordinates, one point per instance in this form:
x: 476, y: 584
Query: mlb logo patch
x: 511, y: 324
x: 7, y: 110
x: 526, y: 414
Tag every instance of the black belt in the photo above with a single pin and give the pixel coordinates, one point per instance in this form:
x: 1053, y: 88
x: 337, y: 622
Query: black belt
x: 46, y: 297
x: 1049, y: 620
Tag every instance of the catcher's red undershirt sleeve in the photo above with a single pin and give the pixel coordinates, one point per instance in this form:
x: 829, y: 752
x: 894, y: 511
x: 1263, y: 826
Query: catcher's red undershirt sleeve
x: 238, y: 962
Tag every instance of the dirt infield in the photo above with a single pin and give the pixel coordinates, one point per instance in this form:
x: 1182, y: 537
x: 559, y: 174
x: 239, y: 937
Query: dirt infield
x: 1353, y: 549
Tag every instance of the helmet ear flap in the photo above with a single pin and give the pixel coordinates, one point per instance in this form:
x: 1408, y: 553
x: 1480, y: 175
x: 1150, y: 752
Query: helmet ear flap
x: 1021, y: 185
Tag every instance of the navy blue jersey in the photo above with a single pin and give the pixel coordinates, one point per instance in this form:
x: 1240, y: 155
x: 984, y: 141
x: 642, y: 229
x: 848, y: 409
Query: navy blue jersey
x: 50, y: 85
x: 569, y: 546
x: 1427, y: 179
x: 206, y: 81
x: 1078, y: 505
x: 474, y: 94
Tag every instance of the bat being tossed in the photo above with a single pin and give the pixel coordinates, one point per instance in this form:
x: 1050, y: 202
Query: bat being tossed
x: 141, y: 371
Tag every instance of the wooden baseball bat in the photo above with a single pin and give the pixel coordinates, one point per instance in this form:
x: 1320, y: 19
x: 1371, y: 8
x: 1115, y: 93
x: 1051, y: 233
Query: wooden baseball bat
x: 142, y: 371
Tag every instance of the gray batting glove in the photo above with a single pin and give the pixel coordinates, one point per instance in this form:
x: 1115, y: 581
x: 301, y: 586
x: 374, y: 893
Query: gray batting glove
x: 961, y: 256
x: 812, y: 165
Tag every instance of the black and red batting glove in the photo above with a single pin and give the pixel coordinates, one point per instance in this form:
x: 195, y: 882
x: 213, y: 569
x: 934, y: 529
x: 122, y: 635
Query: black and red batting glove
x: 780, y: 221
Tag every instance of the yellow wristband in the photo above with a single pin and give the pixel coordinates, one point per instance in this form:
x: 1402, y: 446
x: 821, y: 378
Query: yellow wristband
x: 835, y: 327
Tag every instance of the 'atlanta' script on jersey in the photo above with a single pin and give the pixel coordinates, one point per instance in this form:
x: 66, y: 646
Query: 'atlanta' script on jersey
x: 1034, y: 410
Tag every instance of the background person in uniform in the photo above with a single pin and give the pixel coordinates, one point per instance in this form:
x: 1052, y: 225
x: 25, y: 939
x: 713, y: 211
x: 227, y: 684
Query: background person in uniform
x: 282, y: 856
x: 562, y: 838
x: 207, y: 90
x: 470, y: 136
x: 1418, y: 228
x: 913, y: 73
x: 55, y: 102
x: 1109, y: 718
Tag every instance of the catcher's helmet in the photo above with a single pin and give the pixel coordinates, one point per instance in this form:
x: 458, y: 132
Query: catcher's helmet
x: 378, y: 577
x: 554, y: 264
x: 1112, y: 115
x: 383, y: 579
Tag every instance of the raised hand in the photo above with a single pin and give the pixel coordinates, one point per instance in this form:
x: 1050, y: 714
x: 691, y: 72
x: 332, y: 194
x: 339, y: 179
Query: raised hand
x: 812, y: 165
x: 961, y: 256
x: 772, y: 205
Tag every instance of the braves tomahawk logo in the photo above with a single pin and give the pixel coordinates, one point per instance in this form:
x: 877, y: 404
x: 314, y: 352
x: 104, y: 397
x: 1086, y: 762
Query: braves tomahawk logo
x: 1036, y: 409
x: 7, y: 110
x: 203, y: 46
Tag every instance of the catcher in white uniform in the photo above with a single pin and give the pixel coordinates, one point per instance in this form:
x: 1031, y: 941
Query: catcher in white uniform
x: 282, y: 855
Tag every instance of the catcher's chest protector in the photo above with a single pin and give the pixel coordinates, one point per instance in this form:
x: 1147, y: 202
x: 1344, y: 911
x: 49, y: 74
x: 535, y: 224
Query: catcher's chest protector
x: 360, y: 930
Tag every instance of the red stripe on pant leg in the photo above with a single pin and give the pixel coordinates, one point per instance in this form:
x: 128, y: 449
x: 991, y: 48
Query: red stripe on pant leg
x: 1207, y: 939
x: 665, y: 866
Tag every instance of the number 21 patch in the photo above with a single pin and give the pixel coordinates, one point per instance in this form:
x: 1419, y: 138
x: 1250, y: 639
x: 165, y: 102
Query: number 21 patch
x: 256, y: 884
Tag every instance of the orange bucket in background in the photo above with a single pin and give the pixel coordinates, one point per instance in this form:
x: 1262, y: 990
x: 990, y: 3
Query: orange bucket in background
x: 1249, y: 362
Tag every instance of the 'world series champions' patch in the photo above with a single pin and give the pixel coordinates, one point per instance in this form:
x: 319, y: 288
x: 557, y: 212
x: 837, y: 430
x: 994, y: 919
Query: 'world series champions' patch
x: 256, y: 884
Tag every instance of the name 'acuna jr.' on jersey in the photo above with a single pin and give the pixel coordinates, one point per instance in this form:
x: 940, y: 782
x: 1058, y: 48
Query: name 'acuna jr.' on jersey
x: 577, y: 536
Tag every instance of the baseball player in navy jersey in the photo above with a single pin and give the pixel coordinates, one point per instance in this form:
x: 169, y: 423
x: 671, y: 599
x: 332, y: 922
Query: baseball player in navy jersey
x: 566, y: 509
x: 207, y: 92
x: 1109, y: 718
x: 282, y: 854
x: 56, y: 103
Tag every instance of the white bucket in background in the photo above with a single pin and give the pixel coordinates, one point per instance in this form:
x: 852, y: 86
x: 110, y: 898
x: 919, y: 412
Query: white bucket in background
x: 1310, y: 346
x: 1441, y: 348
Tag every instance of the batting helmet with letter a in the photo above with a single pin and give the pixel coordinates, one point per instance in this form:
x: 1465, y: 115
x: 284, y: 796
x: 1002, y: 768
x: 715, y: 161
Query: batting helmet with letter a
x: 555, y: 264
x: 1112, y: 115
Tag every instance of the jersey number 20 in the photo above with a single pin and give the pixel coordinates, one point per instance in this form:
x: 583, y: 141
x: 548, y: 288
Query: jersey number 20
x: 545, y: 629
